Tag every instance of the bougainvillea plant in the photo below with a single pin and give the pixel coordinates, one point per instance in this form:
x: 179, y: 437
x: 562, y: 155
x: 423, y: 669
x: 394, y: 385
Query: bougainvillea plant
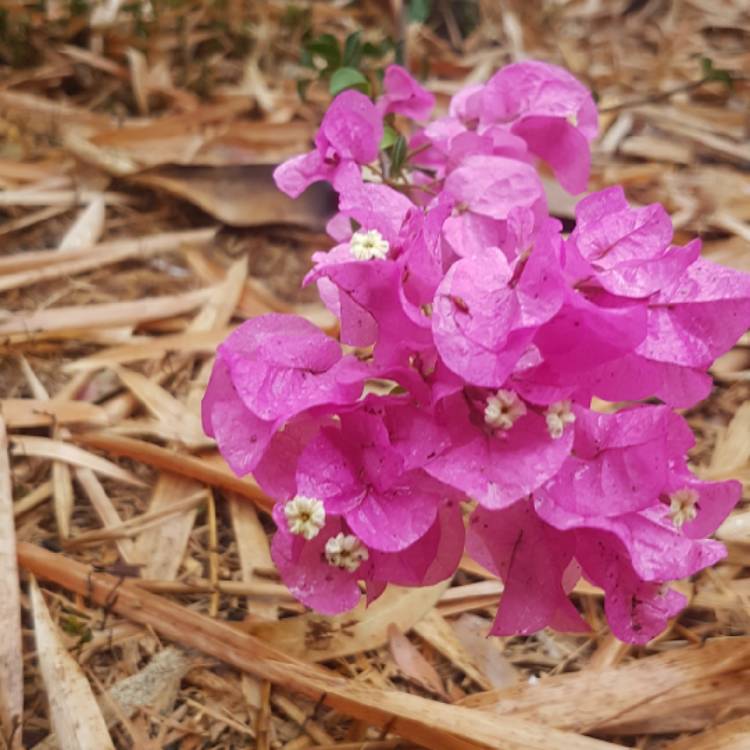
x: 454, y: 413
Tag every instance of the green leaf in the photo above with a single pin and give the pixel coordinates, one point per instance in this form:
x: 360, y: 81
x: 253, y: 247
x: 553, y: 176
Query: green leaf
x: 400, y: 55
x: 306, y: 58
x: 398, y: 155
x: 390, y: 136
x: 707, y: 66
x: 348, y: 78
x: 419, y: 10
x: 302, y: 86
x: 327, y: 46
x: 712, y: 73
x: 377, y: 51
x: 353, y: 50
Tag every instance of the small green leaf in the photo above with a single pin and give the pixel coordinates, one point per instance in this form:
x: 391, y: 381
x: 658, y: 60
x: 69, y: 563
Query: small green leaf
x: 419, y: 10
x: 302, y: 86
x: 72, y: 625
x: 352, y: 50
x: 399, y: 52
x: 712, y: 73
x: 377, y: 51
x: 327, y: 46
x: 707, y: 66
x: 725, y: 77
x: 306, y: 58
x: 398, y: 155
x: 348, y: 78
x: 295, y: 17
x: 390, y: 136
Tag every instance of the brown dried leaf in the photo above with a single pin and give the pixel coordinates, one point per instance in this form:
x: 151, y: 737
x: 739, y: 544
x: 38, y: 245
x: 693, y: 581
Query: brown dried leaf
x: 62, y: 319
x: 436, y: 630
x: 106, y: 511
x: 243, y: 195
x: 161, y: 549
x: 58, y: 450
x: 183, y: 343
x: 165, y: 408
x: 313, y: 637
x: 734, y: 735
x: 11, y: 651
x: 412, y: 664
x: 428, y: 723
x: 254, y: 552
x: 88, y: 227
x: 674, y: 691
x: 486, y: 651
x: 75, y: 714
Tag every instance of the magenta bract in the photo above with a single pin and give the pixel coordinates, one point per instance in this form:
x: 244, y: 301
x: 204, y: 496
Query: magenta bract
x: 477, y: 337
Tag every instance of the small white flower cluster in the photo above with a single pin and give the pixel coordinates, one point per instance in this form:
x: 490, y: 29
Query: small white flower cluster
x: 683, y: 506
x: 557, y: 416
x: 345, y: 551
x: 305, y: 516
x: 369, y: 245
x: 503, y: 409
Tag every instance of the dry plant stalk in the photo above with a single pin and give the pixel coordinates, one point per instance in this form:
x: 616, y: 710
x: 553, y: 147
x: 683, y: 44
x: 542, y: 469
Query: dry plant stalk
x: 94, y: 247
x: 420, y: 720
x: 177, y: 463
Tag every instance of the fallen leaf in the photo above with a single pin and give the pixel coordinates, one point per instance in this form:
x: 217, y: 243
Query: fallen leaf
x: 412, y: 664
x: 74, y: 712
x: 243, y: 195
x: 316, y: 638
x: 87, y: 228
x: 11, y: 651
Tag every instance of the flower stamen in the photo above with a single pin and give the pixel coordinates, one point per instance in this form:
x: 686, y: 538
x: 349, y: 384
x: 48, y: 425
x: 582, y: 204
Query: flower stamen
x: 503, y: 410
x: 305, y: 516
x: 369, y: 245
x: 345, y: 551
x: 558, y: 415
x: 683, y: 506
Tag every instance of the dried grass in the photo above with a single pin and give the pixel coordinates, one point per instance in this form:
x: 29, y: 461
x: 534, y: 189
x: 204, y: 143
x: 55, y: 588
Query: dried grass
x: 138, y: 226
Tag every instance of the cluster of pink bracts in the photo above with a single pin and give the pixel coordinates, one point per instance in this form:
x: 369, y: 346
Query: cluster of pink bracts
x: 477, y: 336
